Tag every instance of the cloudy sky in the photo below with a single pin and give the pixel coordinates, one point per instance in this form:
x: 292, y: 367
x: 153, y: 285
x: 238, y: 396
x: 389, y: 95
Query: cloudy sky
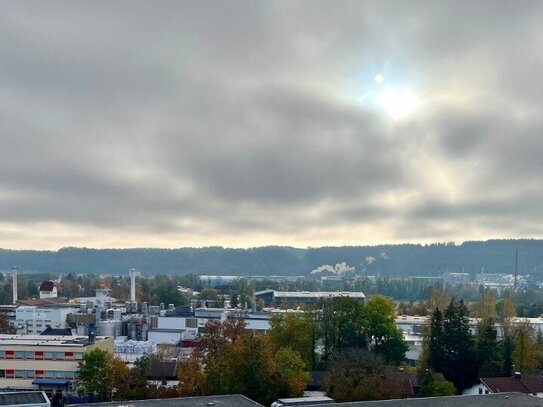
x: 247, y: 123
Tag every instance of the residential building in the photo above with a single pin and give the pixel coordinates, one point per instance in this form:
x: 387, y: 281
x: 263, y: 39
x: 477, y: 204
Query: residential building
x: 48, y: 289
x: 518, y: 384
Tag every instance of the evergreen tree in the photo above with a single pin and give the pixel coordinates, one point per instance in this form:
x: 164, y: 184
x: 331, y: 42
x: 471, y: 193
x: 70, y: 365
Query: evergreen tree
x: 435, y: 342
x: 488, y: 349
x: 460, y: 363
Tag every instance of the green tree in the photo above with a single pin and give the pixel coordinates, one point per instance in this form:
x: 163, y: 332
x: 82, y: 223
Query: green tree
x: 459, y: 358
x: 378, y: 322
x: 291, y: 369
x: 95, y: 374
x: 295, y: 331
x: 341, y: 325
x: 431, y: 387
x: 488, y: 352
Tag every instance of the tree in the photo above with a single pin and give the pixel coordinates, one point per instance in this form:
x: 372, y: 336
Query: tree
x: 488, y: 354
x: 526, y: 354
x: 378, y: 322
x: 191, y: 375
x: 459, y: 362
x: 290, y: 366
x: 295, y: 331
x: 95, y: 374
x: 434, y: 342
x: 341, y: 325
x: 431, y: 387
x: 5, y: 327
x: 357, y: 374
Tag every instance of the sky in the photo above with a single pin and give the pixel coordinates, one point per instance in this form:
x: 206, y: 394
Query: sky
x: 250, y: 123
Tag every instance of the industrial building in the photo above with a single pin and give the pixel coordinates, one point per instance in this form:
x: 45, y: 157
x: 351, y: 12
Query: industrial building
x: 49, y: 363
x: 272, y: 298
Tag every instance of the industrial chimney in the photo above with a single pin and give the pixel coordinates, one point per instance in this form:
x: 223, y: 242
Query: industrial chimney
x: 14, y: 271
x: 133, y: 274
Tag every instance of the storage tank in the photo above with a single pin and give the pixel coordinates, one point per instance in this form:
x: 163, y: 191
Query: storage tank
x: 110, y: 328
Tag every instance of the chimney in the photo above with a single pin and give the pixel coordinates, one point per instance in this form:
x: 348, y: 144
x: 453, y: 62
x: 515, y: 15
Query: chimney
x: 133, y: 274
x: 14, y: 271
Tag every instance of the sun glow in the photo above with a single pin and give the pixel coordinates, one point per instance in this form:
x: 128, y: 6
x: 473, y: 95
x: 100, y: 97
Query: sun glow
x: 396, y: 102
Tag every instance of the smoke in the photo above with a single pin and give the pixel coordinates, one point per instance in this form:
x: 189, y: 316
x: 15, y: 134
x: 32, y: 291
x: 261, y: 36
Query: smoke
x: 339, y: 269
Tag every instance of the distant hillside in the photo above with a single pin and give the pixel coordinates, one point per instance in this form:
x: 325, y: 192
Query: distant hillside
x: 496, y: 256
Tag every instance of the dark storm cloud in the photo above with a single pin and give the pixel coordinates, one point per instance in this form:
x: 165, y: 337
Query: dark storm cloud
x: 223, y: 121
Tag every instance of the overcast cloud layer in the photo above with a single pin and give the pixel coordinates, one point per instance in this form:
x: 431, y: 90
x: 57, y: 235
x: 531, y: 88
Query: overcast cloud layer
x: 245, y: 123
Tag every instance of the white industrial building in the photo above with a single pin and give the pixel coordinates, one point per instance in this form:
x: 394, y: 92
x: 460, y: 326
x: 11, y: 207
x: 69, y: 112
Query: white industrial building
x: 31, y: 320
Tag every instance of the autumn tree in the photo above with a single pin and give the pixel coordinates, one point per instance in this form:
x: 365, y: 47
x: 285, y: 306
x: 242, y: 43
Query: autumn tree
x: 291, y: 369
x: 191, y: 375
x: 357, y: 374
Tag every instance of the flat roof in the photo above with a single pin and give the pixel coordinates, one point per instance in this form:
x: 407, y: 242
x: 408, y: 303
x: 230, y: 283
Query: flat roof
x: 314, y: 294
x: 482, y: 400
x: 232, y: 400
x: 35, y: 340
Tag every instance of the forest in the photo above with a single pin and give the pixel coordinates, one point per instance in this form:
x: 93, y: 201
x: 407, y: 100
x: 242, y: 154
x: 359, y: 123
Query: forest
x: 399, y: 260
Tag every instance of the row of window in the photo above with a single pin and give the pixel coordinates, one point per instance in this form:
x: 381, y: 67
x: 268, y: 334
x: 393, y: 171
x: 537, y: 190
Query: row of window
x: 40, y: 355
x: 38, y: 374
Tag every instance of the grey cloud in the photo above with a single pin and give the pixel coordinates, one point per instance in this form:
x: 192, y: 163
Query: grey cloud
x: 229, y: 119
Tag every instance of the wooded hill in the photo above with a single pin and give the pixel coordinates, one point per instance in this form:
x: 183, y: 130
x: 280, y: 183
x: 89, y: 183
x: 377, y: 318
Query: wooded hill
x: 496, y: 256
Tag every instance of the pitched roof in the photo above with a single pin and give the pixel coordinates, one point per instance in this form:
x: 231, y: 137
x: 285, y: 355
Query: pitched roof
x: 47, y: 286
x: 159, y: 370
x: 509, y: 384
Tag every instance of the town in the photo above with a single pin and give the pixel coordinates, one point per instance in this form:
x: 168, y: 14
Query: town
x: 46, y: 339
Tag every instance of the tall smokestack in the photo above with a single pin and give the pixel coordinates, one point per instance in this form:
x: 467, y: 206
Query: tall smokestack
x: 133, y: 274
x: 14, y: 271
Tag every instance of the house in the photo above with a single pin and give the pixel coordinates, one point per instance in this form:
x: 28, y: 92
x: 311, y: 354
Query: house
x: 48, y: 289
x: 491, y: 385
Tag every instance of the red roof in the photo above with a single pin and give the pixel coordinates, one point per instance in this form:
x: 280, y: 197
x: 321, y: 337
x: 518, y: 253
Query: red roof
x: 511, y: 384
x: 47, y: 286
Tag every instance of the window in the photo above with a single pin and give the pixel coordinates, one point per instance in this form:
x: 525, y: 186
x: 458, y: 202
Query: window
x: 9, y: 354
x: 2, y: 354
x: 10, y: 374
x: 2, y: 374
x: 19, y: 354
x: 38, y: 355
x: 68, y: 356
x: 39, y: 374
x: 48, y: 355
x: 78, y: 355
x: 480, y: 390
x: 49, y: 374
x: 30, y: 374
x: 20, y: 374
x: 191, y: 323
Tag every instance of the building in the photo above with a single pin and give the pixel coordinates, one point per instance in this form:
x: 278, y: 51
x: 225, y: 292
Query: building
x: 272, y: 298
x: 455, y: 279
x: 48, y: 289
x: 229, y: 400
x: 33, y: 362
x: 30, y: 320
x: 518, y: 384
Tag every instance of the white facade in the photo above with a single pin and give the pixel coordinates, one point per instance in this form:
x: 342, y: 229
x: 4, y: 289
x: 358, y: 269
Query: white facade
x: 32, y: 320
